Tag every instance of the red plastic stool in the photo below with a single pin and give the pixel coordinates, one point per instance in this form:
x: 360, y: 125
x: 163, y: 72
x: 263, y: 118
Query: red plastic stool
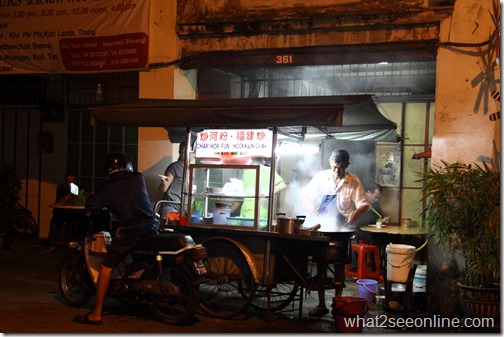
x: 364, y: 268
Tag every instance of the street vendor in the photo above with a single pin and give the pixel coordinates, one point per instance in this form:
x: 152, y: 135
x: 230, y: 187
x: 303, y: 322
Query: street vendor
x: 170, y: 186
x: 336, y: 198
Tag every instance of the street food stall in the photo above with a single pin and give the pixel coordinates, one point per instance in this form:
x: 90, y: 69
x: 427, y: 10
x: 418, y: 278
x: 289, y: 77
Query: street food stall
x: 262, y: 260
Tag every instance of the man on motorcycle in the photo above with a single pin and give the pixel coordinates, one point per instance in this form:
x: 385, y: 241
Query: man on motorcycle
x: 124, y: 194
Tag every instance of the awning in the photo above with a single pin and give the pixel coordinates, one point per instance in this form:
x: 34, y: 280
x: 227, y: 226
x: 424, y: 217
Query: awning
x: 352, y: 117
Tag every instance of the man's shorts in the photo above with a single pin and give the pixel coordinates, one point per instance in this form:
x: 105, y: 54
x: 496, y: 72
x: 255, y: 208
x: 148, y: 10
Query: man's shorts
x: 124, y: 241
x: 118, y: 250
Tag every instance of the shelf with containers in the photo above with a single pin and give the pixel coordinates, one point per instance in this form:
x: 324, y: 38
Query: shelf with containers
x: 218, y: 194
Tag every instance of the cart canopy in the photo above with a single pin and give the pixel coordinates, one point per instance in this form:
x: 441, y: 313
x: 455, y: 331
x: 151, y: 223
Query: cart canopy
x: 342, y: 117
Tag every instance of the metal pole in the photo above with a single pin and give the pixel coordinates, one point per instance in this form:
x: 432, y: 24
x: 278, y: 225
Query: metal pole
x: 267, y: 250
x: 185, y: 172
x: 272, y: 180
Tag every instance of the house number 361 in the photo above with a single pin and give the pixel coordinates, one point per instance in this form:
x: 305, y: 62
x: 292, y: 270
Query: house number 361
x: 283, y: 59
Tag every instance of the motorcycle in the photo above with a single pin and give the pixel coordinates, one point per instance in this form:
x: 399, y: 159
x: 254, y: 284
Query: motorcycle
x: 22, y: 225
x: 162, y: 271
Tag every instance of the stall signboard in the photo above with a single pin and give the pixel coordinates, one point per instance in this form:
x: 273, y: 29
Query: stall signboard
x: 77, y: 36
x: 234, y: 142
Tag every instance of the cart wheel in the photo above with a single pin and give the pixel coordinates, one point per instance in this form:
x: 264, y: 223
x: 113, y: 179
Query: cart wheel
x: 281, y: 295
x: 228, y: 274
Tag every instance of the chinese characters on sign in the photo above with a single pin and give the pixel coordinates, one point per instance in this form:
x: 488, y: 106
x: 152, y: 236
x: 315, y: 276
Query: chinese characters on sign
x: 211, y: 143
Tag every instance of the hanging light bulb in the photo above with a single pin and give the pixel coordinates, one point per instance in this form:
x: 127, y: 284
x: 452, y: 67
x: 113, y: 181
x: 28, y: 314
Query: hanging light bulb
x: 98, y: 93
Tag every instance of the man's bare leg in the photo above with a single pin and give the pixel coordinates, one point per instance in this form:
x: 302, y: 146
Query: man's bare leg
x: 321, y: 308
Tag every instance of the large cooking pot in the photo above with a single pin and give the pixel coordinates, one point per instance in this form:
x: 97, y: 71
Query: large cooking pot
x: 288, y: 225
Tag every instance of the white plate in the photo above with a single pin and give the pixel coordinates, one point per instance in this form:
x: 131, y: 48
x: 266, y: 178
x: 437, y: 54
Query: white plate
x: 374, y: 225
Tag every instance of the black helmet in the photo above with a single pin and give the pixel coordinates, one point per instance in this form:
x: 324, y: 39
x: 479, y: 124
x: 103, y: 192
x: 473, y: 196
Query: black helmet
x: 117, y: 162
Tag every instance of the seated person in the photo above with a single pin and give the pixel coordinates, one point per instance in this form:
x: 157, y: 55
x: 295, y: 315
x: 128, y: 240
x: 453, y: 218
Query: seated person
x: 373, y: 194
x: 65, y: 196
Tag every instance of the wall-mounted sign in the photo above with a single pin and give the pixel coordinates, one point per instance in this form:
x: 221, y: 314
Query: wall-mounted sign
x: 225, y: 142
x: 73, y: 36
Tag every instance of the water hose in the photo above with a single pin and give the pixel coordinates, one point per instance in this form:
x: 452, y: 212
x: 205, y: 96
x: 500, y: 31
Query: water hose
x: 423, y: 245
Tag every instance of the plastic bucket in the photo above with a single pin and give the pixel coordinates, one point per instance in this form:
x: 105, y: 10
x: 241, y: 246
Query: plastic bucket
x: 367, y: 290
x: 420, y: 279
x: 195, y: 216
x: 400, y: 259
x: 349, y: 310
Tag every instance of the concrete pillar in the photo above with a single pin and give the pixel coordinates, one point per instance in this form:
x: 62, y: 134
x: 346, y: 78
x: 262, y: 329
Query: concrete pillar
x: 467, y: 74
x: 155, y: 151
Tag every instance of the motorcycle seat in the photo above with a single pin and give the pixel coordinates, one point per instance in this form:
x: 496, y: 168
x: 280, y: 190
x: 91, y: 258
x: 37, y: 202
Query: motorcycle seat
x: 164, y: 242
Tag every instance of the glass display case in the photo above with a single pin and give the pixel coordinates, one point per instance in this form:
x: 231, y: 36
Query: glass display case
x: 227, y: 196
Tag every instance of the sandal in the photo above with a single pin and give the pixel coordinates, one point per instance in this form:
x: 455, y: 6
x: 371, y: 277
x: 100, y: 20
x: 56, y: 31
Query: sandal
x: 318, y: 311
x: 50, y: 250
x: 84, y: 319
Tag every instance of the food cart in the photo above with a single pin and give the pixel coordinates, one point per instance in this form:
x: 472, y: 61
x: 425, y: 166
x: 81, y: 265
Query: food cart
x: 251, y: 262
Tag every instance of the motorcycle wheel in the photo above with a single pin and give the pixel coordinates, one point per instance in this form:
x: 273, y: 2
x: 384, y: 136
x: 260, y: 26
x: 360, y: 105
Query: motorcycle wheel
x: 24, y: 226
x: 176, y: 308
x: 74, y: 280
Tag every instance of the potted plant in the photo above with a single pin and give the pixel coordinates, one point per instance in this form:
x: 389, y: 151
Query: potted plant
x: 10, y: 185
x: 463, y: 212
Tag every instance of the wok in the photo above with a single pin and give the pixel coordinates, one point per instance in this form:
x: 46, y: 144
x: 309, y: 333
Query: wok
x: 341, y: 235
